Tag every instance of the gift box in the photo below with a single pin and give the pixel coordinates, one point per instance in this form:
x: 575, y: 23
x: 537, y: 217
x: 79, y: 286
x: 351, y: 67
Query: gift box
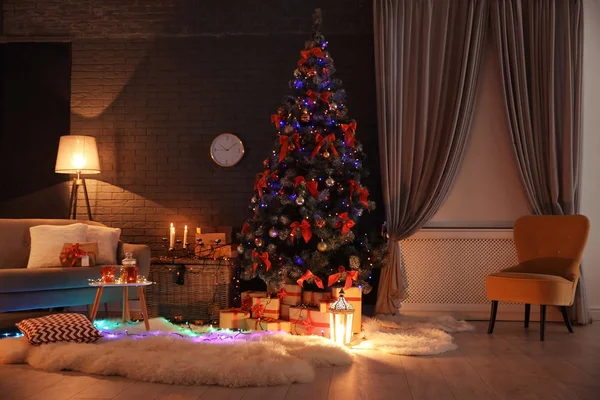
x: 268, y: 324
x: 314, y: 298
x: 290, y: 295
x: 233, y: 318
x: 354, y: 296
x: 284, y: 312
x: 309, y: 321
x: 253, y: 293
x: 79, y: 254
x: 265, y: 307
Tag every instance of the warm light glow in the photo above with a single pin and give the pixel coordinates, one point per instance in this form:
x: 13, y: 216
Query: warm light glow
x: 77, y: 154
x: 341, y: 314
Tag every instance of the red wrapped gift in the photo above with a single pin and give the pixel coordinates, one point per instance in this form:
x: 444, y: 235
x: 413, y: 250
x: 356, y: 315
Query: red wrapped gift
x: 72, y: 254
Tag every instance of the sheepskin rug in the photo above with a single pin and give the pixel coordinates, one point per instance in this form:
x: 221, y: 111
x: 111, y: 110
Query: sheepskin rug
x: 245, y: 360
x: 411, y: 336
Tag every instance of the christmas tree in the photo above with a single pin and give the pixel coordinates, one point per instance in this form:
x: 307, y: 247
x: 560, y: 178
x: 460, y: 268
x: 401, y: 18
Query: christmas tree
x: 309, y: 197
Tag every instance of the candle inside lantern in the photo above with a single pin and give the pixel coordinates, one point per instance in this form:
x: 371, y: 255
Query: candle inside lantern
x: 172, y: 237
x: 185, y: 235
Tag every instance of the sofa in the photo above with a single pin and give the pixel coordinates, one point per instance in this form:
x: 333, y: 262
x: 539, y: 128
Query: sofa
x: 23, y: 288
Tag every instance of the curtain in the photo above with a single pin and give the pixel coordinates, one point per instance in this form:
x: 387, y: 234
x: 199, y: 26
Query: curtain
x: 427, y: 59
x: 539, y: 45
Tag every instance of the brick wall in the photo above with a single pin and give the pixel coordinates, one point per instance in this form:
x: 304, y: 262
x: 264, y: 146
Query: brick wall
x: 156, y: 80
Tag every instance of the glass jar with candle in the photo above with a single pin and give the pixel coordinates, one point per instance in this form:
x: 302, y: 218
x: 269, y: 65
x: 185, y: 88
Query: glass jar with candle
x: 129, y: 270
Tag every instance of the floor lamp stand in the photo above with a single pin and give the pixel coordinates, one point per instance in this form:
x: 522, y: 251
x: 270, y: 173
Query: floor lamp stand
x: 78, y: 181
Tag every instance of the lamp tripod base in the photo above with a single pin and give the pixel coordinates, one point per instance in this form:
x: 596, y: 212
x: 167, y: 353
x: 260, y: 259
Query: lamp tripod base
x: 77, y: 182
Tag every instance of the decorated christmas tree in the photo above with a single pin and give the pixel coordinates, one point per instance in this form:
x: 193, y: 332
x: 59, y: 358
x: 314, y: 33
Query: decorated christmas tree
x: 309, y: 197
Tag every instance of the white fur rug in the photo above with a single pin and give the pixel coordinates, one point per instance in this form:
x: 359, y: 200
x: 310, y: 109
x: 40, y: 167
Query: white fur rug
x: 244, y: 360
x: 411, y: 336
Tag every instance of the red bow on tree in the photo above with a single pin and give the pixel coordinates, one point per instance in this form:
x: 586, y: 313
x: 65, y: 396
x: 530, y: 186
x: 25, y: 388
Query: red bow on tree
x: 304, y: 229
x: 264, y: 257
x: 296, y: 139
x: 321, y: 140
x: 363, y: 194
x: 349, y: 130
x: 324, y: 96
x: 317, y: 52
x: 283, y: 141
x: 245, y: 228
x: 312, y: 186
x: 309, y: 275
x: 345, y: 223
x: 276, y: 119
x: 350, y: 276
x: 261, y: 182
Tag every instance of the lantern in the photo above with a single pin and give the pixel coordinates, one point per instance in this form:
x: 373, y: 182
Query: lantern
x: 340, y: 320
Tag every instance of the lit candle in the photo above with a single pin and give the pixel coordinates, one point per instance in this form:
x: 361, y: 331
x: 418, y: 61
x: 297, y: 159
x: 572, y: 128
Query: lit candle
x: 198, y: 231
x: 184, y: 235
x: 172, y: 237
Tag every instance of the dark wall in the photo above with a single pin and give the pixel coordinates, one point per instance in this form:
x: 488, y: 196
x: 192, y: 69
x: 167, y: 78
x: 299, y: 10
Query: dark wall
x: 156, y: 81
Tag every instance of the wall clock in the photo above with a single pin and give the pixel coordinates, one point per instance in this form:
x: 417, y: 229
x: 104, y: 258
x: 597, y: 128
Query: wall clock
x: 226, y: 150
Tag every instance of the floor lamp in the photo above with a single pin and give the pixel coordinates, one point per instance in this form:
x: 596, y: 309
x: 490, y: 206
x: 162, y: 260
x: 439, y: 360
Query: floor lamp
x: 77, y: 155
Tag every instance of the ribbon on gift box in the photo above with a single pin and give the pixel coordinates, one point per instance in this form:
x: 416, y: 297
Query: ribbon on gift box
x: 261, y: 310
x: 235, y: 312
x: 308, y: 324
x: 247, y: 303
x: 72, y: 254
x: 282, y: 294
x: 267, y: 320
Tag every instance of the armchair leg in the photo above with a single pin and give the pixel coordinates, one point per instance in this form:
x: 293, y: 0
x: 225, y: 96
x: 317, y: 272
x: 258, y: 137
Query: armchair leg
x: 563, y: 310
x: 542, y: 321
x: 527, y: 312
x: 493, y: 317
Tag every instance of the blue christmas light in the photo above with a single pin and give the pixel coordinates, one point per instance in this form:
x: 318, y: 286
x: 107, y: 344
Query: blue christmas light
x: 298, y: 84
x: 298, y: 260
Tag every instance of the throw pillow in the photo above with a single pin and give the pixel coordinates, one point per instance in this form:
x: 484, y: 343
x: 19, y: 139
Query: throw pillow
x: 47, y: 241
x: 108, y: 241
x: 59, y: 328
x: 72, y: 254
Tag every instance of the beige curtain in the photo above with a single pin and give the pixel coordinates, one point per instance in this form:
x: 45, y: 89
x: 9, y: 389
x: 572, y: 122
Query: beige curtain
x: 539, y: 45
x: 427, y: 59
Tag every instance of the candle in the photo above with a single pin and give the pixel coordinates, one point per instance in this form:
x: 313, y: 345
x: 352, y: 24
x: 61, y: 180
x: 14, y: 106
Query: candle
x: 172, y: 237
x: 198, y: 231
x: 184, y: 236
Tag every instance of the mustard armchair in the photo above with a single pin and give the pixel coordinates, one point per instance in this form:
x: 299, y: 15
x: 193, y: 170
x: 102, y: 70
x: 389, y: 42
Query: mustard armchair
x: 549, y: 249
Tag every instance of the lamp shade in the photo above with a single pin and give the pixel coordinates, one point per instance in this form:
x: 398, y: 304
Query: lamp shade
x: 77, y: 154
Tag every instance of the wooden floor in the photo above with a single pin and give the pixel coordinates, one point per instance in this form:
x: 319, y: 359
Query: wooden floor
x: 511, y: 364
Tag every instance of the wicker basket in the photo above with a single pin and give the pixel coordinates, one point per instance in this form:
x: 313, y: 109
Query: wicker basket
x: 195, y: 291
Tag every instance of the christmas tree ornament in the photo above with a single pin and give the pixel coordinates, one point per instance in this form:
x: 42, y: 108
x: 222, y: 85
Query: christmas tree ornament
x: 333, y: 105
x: 240, y: 249
x: 322, y: 246
x: 273, y: 233
x: 300, y: 200
x: 258, y: 242
x: 329, y: 182
x: 320, y: 222
x: 297, y: 73
x: 291, y: 147
x: 288, y: 129
x: 305, y: 117
x: 311, y: 72
x: 326, y: 154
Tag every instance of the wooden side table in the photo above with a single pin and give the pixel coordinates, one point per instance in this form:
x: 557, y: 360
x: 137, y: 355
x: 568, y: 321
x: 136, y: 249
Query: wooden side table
x: 140, y: 287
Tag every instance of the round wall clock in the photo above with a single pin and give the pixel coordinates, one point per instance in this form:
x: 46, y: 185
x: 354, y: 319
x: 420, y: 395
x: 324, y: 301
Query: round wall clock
x: 226, y: 150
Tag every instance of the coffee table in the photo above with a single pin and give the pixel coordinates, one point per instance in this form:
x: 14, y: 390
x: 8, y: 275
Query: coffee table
x: 140, y: 287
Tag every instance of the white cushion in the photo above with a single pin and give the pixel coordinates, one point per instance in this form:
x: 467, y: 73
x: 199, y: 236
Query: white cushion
x: 108, y: 241
x: 47, y: 242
